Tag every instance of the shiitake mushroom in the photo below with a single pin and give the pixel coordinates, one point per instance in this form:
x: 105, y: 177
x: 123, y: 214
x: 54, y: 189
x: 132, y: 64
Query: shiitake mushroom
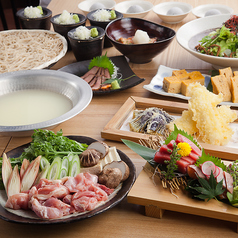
x: 89, y: 157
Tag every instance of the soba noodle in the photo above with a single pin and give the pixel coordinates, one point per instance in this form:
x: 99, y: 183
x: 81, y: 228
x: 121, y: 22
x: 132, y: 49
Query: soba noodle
x: 22, y: 50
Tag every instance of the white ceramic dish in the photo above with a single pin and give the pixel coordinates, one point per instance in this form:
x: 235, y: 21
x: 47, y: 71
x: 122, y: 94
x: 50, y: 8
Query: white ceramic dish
x: 85, y: 6
x: 201, y: 10
x: 69, y: 85
x: 156, y: 85
x: 123, y: 7
x: 189, y: 35
x: 162, y: 9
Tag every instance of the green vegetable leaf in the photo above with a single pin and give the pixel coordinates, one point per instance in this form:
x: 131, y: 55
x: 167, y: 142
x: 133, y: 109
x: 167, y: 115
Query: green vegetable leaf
x: 145, y: 152
x: 209, y: 189
x: 102, y: 61
x: 207, y: 157
x: 173, y: 135
x: 50, y: 145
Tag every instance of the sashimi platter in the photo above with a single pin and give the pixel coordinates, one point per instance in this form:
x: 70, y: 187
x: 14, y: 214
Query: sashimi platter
x: 58, y: 179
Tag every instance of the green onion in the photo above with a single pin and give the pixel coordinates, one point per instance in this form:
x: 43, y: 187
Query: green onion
x: 63, y: 173
x: 54, y: 169
x: 43, y: 162
x: 74, y: 166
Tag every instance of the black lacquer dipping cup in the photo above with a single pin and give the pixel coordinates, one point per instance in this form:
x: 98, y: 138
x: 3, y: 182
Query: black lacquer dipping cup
x: 35, y: 23
x: 63, y: 29
x: 103, y: 24
x: 87, y: 49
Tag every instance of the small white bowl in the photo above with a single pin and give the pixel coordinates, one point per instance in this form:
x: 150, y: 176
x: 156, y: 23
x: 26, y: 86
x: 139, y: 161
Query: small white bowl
x: 85, y: 6
x: 123, y: 7
x: 162, y: 9
x: 201, y: 10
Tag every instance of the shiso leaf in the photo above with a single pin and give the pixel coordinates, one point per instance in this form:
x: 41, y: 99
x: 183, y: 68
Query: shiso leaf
x: 102, y: 61
x: 206, y: 157
x: 173, y: 135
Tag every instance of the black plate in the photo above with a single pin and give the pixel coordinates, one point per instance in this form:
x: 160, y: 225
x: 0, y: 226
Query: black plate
x: 126, y: 186
x: 80, y: 68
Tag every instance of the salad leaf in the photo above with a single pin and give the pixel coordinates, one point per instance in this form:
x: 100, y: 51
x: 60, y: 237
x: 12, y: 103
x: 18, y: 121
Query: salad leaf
x: 206, y: 157
x: 221, y: 42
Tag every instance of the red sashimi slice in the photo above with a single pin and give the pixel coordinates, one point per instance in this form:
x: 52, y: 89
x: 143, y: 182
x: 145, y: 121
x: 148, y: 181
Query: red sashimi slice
x: 188, y: 159
x: 161, y: 157
x: 193, y: 156
x: 171, y: 144
x: 165, y: 149
x: 195, y: 149
x: 208, y: 167
x: 182, y: 166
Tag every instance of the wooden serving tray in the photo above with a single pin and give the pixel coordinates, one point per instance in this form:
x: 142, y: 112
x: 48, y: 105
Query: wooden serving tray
x: 112, y: 131
x: 156, y: 200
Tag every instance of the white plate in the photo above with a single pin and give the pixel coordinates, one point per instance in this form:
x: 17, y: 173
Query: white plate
x: 156, y: 85
x: 202, y: 9
x: 189, y: 35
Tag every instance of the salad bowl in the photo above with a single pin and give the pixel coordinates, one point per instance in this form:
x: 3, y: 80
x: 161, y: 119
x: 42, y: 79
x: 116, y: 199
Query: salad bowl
x: 189, y: 35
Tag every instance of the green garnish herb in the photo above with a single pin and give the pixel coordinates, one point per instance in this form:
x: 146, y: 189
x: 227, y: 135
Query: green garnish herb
x: 171, y: 164
x: 102, y: 61
x: 117, y: 82
x: 41, y: 10
x: 209, y: 189
x: 232, y: 169
x: 50, y: 145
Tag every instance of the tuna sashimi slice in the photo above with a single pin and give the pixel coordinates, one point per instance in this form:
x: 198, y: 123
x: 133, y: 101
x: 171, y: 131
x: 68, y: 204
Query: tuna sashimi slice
x: 182, y: 166
x: 195, y: 149
x: 165, y: 149
x: 161, y: 157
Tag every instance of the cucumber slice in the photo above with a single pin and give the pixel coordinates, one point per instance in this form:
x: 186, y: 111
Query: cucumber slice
x: 74, y: 166
x: 54, y: 169
x: 43, y: 162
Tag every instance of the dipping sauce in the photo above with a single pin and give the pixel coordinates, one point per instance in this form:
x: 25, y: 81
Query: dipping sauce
x: 32, y: 106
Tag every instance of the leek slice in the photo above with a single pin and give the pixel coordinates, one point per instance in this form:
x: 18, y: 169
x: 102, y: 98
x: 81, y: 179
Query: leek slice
x: 65, y: 163
x: 74, y: 166
x: 63, y: 173
x: 42, y: 174
x: 43, y: 162
x: 54, y: 169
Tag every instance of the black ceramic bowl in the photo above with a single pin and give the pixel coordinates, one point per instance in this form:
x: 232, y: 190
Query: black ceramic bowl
x: 139, y: 53
x: 103, y: 24
x: 63, y: 29
x: 35, y: 23
x: 87, y: 49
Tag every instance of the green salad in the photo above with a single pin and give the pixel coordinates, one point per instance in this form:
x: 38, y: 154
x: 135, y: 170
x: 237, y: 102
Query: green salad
x: 222, y: 42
